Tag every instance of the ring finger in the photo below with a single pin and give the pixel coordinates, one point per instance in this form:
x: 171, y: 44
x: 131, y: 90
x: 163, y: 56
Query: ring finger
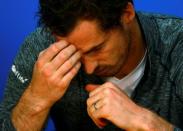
x: 63, y: 56
x: 67, y: 66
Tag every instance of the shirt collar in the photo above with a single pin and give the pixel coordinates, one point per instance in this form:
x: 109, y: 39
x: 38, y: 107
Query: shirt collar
x: 150, y: 32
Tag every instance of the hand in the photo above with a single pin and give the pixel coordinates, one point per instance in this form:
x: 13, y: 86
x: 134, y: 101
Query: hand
x: 53, y: 71
x: 111, y: 104
x: 108, y: 102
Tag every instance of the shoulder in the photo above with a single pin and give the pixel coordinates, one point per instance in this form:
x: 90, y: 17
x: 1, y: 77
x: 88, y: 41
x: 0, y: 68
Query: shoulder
x: 168, y: 44
x: 168, y: 30
x: 164, y: 22
x: 39, y: 39
x: 29, y: 50
x: 35, y: 42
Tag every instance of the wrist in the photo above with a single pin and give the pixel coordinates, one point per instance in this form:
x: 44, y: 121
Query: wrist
x: 29, y: 111
x: 149, y: 121
x: 30, y: 104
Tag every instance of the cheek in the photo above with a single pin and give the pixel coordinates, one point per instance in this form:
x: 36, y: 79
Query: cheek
x: 107, y: 58
x: 115, y: 56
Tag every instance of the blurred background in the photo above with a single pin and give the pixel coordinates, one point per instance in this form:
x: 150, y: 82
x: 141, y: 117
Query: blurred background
x: 18, y: 19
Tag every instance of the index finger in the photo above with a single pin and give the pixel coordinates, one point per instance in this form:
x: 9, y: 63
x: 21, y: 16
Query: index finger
x: 52, y: 50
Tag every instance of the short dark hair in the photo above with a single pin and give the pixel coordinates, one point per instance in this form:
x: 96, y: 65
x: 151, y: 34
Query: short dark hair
x: 61, y: 16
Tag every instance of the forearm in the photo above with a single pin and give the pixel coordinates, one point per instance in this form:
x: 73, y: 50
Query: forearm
x: 152, y: 122
x: 30, y: 113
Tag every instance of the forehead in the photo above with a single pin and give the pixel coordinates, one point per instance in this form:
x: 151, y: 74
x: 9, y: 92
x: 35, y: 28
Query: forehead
x: 85, y: 35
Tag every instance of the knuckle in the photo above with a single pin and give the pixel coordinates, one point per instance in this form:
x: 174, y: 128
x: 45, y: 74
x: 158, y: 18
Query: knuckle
x: 88, y: 102
x: 69, y: 64
x: 62, y: 56
x: 73, y: 47
x: 54, y: 48
x: 107, y: 91
x: 61, y: 44
x: 109, y: 84
x: 65, y: 54
x: 47, y: 72
x: 39, y: 64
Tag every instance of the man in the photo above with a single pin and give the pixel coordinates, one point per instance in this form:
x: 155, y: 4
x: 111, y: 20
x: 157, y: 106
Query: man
x: 131, y: 75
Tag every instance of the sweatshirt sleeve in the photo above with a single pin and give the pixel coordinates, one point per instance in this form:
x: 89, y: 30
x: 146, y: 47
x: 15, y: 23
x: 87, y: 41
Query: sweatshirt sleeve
x: 20, y: 74
x: 177, y: 129
x: 177, y: 72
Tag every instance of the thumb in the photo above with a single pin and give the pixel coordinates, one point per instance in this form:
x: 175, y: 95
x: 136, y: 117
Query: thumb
x: 91, y: 87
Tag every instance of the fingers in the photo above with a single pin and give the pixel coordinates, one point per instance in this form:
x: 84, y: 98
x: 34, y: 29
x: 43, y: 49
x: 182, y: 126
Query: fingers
x: 55, y: 68
x: 95, y: 101
x: 58, y: 64
x: 99, y: 121
x: 64, y: 55
x: 58, y: 59
x: 68, y: 65
x: 94, y: 105
x: 69, y: 76
x: 97, y: 95
x: 98, y: 103
x: 94, y: 112
x: 48, y: 54
x: 104, y: 88
x: 91, y: 87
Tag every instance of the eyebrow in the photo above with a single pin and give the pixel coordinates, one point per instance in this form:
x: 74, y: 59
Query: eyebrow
x: 94, y: 48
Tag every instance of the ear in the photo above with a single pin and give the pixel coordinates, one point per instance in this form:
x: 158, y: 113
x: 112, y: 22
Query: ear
x: 128, y: 14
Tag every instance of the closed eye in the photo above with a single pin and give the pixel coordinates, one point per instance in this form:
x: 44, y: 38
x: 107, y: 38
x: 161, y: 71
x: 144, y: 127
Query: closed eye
x: 95, y: 49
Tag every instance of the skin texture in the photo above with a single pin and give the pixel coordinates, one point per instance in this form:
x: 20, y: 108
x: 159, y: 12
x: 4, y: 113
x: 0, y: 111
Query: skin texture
x: 113, y: 53
x: 53, y: 71
x: 108, y: 99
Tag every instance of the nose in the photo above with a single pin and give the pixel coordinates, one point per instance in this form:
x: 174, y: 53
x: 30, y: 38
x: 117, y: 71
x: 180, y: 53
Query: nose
x: 89, y: 64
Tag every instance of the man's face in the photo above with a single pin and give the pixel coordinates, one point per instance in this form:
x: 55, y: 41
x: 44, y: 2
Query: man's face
x: 103, y: 53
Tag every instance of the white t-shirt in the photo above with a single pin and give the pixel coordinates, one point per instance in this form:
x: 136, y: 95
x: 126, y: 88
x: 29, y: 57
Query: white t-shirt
x: 129, y: 82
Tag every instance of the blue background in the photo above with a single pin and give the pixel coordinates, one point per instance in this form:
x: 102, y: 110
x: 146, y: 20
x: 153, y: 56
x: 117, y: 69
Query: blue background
x: 18, y: 19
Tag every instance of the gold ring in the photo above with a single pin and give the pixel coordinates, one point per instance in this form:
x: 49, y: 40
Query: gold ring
x: 94, y: 105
